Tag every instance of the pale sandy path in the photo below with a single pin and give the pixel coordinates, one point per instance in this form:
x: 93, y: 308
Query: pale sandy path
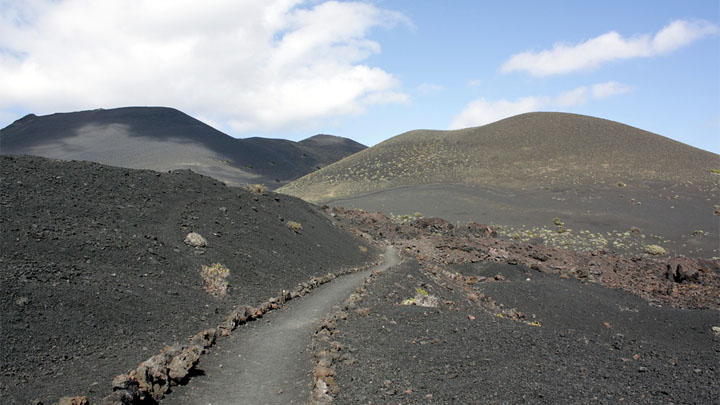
x: 269, y: 361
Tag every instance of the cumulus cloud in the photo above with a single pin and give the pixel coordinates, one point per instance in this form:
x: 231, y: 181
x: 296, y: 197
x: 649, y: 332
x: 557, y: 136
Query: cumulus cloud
x: 608, y: 89
x: 427, y: 88
x: 248, y: 65
x: 483, y: 111
x: 608, y: 47
x: 571, y: 98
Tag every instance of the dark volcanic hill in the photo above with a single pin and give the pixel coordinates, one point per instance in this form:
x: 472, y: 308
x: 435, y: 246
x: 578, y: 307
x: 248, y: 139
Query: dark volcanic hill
x: 164, y: 139
x: 96, y: 277
x: 594, y: 175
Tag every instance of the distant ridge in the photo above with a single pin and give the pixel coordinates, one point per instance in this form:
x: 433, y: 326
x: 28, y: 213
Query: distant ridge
x: 533, y: 150
x: 161, y: 138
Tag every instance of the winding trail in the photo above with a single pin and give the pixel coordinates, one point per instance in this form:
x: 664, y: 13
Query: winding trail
x: 269, y: 361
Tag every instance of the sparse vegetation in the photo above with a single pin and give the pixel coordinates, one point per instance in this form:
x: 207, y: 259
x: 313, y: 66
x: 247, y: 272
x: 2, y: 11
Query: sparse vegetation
x: 422, y: 298
x: 558, y: 222
x: 582, y: 240
x: 655, y: 250
x: 256, y: 188
x: 459, y: 157
x: 294, y: 226
x: 715, y: 171
x: 215, y: 279
x: 363, y: 249
x: 698, y: 233
x: 402, y: 219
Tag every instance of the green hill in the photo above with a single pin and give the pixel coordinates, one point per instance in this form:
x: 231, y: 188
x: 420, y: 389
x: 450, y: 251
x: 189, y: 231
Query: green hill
x: 533, y: 150
x: 609, y: 185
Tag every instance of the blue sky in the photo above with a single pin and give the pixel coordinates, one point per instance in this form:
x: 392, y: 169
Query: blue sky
x: 368, y: 70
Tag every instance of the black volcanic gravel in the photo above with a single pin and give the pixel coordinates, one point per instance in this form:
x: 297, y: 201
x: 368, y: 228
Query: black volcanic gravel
x: 95, y: 276
x: 594, y: 344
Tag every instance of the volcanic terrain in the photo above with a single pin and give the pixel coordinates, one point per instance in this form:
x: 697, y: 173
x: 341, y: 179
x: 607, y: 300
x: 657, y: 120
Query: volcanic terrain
x: 163, y: 139
x: 96, y: 276
x: 468, y: 318
x: 559, y: 179
x: 125, y: 286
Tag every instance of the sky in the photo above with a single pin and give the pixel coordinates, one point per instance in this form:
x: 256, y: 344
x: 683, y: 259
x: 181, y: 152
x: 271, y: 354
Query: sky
x: 368, y: 70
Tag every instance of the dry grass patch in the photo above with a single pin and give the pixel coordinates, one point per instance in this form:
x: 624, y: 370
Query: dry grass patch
x: 294, y: 226
x: 215, y: 279
x: 256, y: 188
x: 655, y: 250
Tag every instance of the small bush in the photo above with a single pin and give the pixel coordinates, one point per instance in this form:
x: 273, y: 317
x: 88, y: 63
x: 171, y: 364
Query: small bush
x: 294, y: 226
x: 363, y: 249
x: 215, y: 279
x: 422, y: 298
x: 256, y: 188
x: 715, y: 171
x: 557, y: 221
x: 621, y: 184
x: 655, y: 250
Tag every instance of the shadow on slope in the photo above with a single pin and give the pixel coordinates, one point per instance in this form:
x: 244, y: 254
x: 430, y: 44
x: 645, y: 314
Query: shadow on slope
x: 165, y: 139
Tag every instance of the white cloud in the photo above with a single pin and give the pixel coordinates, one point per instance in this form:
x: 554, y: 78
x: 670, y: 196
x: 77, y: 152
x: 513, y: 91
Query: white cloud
x: 608, y: 89
x: 608, y: 47
x: 248, y: 65
x: 482, y: 111
x: 475, y: 82
x: 427, y: 88
x: 571, y: 98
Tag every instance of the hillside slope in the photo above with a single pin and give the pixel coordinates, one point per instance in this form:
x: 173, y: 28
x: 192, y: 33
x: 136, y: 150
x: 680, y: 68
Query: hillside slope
x: 605, y: 179
x: 162, y: 139
x: 95, y: 276
x: 532, y: 150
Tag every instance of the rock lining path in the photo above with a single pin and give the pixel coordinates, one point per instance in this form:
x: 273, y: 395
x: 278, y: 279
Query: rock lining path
x: 269, y: 361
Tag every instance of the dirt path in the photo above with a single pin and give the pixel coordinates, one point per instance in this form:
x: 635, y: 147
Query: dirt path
x: 269, y: 361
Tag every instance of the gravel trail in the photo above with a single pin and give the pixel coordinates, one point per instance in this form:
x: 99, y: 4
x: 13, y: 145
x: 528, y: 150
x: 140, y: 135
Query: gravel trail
x: 269, y: 361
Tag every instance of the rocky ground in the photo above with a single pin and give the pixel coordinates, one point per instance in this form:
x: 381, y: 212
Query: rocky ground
x: 418, y: 337
x: 96, y: 275
x: 679, y: 281
x: 469, y: 318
